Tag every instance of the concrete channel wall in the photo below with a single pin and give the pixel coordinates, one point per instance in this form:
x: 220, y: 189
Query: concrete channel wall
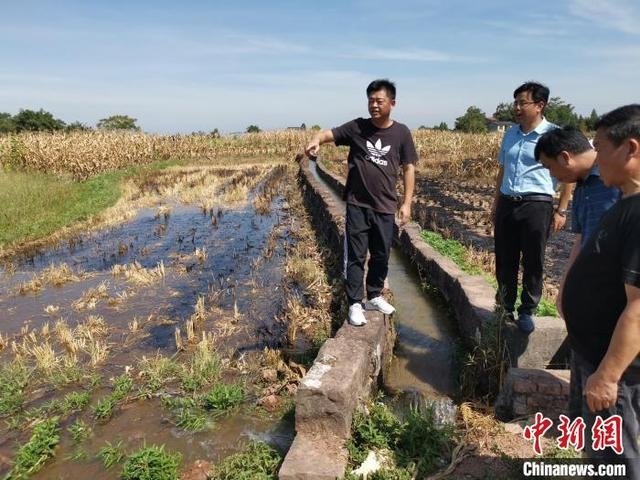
x: 348, y: 366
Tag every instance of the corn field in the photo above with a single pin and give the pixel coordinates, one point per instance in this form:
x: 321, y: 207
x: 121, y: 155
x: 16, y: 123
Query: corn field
x: 83, y: 154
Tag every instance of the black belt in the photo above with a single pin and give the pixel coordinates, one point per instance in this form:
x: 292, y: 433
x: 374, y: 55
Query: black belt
x: 533, y: 197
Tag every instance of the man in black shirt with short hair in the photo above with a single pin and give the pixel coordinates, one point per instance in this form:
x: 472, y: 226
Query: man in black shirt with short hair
x: 601, y: 296
x: 378, y: 146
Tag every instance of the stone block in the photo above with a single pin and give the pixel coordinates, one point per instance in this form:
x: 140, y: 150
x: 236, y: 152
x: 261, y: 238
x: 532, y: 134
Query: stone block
x: 332, y: 388
x: 313, y: 458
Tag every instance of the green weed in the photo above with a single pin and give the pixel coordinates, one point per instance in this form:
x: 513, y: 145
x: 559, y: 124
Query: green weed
x: 14, y: 377
x: 484, y: 366
x: 122, y: 385
x: 151, y: 463
x: 378, y: 428
x: 418, y: 444
x: 32, y: 455
x: 104, y: 408
x: 74, y: 401
x: 223, y: 396
x: 79, y: 430
x: 258, y: 461
x: 191, y: 420
x: 111, y: 454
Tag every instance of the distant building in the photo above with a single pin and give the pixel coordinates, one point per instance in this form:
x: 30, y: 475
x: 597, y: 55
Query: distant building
x: 498, y: 126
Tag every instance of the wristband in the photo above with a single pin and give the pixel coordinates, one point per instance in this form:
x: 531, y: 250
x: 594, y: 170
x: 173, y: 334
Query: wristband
x: 561, y: 212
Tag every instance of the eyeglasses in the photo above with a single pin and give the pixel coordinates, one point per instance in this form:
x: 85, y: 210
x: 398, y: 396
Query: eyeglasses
x: 521, y: 103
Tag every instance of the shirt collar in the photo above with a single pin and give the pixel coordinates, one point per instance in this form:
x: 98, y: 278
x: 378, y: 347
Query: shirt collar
x: 594, y: 172
x: 541, y: 128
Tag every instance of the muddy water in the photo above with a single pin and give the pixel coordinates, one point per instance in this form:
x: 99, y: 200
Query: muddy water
x: 140, y: 423
x: 424, y: 360
x: 238, y: 278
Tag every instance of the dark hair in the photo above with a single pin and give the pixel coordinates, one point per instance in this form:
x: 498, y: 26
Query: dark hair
x: 621, y: 123
x: 382, y: 84
x: 539, y: 93
x: 569, y: 139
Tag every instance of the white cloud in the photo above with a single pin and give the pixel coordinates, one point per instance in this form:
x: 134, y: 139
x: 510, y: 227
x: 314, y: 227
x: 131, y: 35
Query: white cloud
x: 409, y: 54
x: 621, y: 15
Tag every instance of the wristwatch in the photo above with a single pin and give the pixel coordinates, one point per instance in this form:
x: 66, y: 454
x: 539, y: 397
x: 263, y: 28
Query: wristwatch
x: 562, y: 212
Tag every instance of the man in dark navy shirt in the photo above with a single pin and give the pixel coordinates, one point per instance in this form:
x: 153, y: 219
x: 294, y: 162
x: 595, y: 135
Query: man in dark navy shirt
x: 601, y: 297
x: 378, y: 146
x: 570, y: 158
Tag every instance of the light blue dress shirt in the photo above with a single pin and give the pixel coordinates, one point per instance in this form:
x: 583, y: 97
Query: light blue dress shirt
x: 523, y: 174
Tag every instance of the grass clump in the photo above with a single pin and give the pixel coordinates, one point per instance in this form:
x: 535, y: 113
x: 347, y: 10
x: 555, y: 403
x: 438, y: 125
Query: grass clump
x: 191, y: 419
x: 32, y: 455
x: 111, y: 454
x: 122, y: 385
x: 151, y: 463
x: 79, y: 430
x: 415, y: 446
x: 224, y: 396
x: 257, y: 461
x: 484, y: 366
x: 14, y: 376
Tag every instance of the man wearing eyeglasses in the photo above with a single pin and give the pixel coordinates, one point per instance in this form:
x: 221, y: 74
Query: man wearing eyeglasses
x: 522, y: 211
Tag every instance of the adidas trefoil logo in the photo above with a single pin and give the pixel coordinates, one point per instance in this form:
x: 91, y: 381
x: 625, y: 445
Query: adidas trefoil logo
x: 377, y: 151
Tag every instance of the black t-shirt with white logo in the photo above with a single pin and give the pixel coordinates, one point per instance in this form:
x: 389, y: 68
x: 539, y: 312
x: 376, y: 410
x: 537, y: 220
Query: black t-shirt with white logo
x: 374, y: 157
x: 594, y: 293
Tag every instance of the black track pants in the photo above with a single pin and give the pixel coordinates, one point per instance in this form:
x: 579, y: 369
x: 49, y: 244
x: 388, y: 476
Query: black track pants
x: 372, y: 231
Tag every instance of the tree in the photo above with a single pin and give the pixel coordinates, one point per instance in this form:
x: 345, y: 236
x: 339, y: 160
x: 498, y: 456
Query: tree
x: 473, y: 121
x: 504, y: 112
x: 590, y: 121
x: 118, y: 122
x: 316, y: 127
x: 77, y: 127
x: 7, y: 125
x: 443, y: 127
x: 561, y: 113
x: 215, y: 133
x: 32, y: 121
x: 253, y: 129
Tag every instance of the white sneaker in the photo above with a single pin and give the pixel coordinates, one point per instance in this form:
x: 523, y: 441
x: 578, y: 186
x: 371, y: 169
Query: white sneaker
x: 356, y: 315
x: 380, y: 304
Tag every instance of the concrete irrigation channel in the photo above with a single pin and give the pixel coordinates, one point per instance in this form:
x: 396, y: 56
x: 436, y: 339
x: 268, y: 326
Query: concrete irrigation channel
x: 357, y: 361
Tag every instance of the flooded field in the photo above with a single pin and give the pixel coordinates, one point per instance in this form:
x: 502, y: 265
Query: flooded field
x: 164, y: 327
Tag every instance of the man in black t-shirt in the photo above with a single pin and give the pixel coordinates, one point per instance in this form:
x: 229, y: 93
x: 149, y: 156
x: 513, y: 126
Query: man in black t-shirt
x: 378, y: 146
x: 601, y: 296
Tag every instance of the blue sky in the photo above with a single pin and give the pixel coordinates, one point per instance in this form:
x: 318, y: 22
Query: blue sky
x: 186, y: 66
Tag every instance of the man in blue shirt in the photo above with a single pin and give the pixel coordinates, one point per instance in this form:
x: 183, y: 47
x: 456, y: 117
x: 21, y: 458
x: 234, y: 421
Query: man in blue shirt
x: 522, y: 210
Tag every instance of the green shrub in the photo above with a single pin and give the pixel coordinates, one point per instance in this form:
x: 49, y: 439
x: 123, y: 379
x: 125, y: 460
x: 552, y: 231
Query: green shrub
x: 111, y: 454
x: 151, y: 463
x: 223, y: 396
x: 32, y: 455
x: 258, y: 461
